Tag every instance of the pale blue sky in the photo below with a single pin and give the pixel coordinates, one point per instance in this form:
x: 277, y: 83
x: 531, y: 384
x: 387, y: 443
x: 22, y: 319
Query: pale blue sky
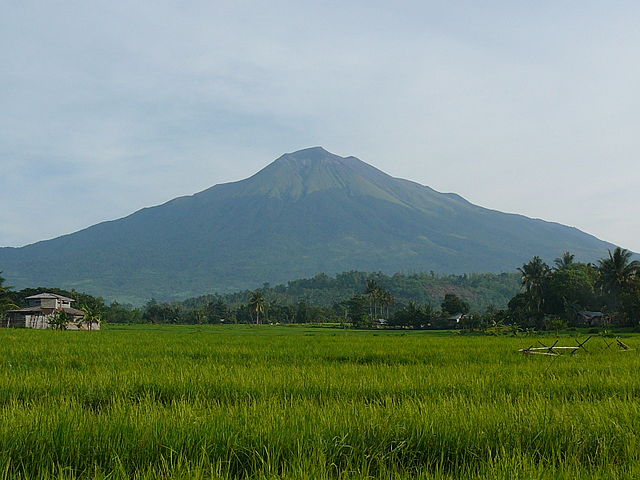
x: 110, y: 106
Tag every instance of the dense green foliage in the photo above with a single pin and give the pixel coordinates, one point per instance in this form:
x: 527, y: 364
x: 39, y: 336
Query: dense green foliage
x: 454, y: 304
x: 6, y: 298
x: 479, y: 290
x: 572, y: 292
x: 59, y: 320
x: 285, y: 402
x: 307, y: 212
x: 569, y: 294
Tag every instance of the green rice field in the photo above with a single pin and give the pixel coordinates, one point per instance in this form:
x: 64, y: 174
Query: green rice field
x: 271, y: 402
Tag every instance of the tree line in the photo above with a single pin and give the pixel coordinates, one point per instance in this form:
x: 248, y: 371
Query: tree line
x: 481, y: 290
x: 567, y: 293
x: 259, y: 306
x: 570, y: 293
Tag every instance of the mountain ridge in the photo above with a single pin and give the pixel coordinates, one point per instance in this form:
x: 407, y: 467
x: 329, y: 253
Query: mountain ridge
x: 306, y: 212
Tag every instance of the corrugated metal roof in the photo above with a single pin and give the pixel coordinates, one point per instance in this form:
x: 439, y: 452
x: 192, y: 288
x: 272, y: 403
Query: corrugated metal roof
x: 51, y: 295
x: 28, y: 309
x: 47, y: 311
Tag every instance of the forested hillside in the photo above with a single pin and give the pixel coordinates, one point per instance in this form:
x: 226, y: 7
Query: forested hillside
x: 479, y: 290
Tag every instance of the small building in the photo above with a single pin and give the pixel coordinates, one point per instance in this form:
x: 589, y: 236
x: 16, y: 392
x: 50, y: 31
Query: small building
x: 381, y: 323
x: 592, y: 319
x: 449, y: 322
x: 41, y: 308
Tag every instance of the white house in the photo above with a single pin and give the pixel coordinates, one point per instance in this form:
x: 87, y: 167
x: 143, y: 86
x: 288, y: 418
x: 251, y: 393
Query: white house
x: 39, y: 310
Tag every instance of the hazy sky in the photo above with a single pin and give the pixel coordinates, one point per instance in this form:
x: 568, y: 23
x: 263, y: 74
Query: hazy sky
x: 110, y: 106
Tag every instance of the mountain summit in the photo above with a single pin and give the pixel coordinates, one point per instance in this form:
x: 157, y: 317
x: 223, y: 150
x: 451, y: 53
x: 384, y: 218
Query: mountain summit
x: 295, y: 175
x: 309, y: 211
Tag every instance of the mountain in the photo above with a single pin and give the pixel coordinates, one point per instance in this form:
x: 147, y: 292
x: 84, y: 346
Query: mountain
x: 307, y: 212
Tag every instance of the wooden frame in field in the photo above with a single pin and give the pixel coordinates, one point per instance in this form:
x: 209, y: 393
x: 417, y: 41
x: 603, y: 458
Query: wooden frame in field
x: 554, y: 350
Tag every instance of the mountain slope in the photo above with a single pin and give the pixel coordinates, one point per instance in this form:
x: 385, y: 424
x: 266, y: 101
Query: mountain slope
x: 307, y: 212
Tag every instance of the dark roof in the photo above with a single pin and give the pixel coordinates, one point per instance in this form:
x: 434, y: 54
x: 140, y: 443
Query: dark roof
x: 47, y: 311
x: 51, y: 295
x: 28, y: 309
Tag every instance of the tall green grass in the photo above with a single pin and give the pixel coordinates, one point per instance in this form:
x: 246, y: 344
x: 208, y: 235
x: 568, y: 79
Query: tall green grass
x: 281, y: 402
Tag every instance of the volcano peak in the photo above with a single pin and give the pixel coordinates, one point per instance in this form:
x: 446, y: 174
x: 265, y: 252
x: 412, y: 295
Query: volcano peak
x: 306, y: 212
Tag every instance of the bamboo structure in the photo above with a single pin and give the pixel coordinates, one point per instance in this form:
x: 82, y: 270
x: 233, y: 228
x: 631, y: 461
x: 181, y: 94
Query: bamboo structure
x: 554, y: 350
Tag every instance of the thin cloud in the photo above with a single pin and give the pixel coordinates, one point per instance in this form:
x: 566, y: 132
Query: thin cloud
x: 111, y: 106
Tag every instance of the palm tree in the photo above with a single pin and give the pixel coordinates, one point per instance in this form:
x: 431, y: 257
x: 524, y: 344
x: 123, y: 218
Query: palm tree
x: 617, y: 271
x: 59, y: 320
x: 4, y: 289
x: 257, y: 304
x: 91, y: 316
x: 565, y: 261
x: 387, y: 300
x: 534, y: 276
x: 373, y: 291
x: 6, y: 303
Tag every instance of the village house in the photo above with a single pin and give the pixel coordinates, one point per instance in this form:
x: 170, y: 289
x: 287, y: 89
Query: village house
x: 42, y: 307
x: 592, y: 319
